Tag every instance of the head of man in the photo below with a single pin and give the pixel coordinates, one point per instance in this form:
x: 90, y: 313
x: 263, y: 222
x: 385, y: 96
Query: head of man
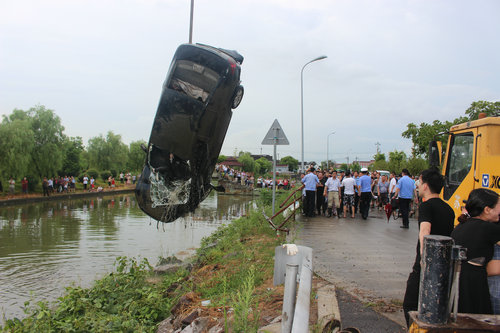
x: 431, y: 182
x: 334, y: 174
x: 348, y: 173
x: 356, y: 174
x: 392, y: 175
x: 405, y: 172
x: 384, y: 178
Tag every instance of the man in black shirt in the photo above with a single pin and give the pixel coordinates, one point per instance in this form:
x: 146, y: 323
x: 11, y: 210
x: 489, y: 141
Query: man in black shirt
x: 435, y: 217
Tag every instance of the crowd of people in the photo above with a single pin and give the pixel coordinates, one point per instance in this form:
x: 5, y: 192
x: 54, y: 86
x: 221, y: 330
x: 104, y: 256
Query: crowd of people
x: 67, y: 184
x: 344, y: 193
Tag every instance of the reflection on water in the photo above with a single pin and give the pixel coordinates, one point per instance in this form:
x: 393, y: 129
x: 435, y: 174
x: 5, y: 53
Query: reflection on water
x: 47, y: 246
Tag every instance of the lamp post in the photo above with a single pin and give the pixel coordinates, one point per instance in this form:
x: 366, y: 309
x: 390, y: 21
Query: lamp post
x: 302, y: 106
x: 327, y: 151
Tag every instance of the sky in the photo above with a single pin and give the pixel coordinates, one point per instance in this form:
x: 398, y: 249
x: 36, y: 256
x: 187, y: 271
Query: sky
x: 100, y: 65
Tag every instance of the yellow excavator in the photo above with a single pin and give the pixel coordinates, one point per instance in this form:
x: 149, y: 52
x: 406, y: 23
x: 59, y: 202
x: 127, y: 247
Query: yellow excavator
x: 471, y: 160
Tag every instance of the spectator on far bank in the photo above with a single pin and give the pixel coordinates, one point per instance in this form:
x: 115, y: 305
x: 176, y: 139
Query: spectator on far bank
x: 24, y: 185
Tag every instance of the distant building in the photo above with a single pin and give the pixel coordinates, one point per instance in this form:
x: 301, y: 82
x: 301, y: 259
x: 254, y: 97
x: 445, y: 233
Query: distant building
x: 232, y: 162
x: 282, y: 168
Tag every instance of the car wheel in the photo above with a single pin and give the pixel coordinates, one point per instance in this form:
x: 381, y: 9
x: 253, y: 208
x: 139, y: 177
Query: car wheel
x: 237, y: 97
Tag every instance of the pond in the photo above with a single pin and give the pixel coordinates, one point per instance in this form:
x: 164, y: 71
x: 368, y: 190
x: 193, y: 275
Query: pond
x: 47, y: 246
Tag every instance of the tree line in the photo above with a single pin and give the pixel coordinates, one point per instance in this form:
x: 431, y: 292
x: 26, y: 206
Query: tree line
x: 33, y: 144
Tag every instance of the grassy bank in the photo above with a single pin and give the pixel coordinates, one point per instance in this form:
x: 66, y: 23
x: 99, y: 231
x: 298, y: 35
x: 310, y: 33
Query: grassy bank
x: 233, y: 268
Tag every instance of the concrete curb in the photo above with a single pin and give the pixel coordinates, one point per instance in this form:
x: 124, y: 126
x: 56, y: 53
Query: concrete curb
x: 328, y: 308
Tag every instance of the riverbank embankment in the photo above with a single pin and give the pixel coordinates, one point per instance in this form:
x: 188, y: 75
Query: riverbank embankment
x: 20, y: 199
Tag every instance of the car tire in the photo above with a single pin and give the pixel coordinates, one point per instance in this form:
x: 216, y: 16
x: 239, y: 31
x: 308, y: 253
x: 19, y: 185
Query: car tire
x: 237, y: 97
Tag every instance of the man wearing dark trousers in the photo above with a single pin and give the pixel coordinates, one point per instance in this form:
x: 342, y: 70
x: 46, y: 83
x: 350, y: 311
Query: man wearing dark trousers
x: 310, y: 180
x: 435, y: 217
x: 365, y: 192
x: 405, y: 189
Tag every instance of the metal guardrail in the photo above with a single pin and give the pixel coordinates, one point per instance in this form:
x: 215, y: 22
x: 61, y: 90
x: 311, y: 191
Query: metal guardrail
x: 297, y: 197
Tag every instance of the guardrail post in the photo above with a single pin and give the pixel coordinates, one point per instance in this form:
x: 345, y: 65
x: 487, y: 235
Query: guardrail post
x: 289, y: 297
x: 301, y: 315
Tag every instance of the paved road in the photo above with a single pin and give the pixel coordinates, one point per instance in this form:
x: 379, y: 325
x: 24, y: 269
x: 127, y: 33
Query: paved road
x: 368, y: 258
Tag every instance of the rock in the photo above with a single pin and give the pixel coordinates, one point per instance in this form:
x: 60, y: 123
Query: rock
x: 198, y: 325
x: 172, y: 268
x: 166, y: 326
x: 219, y: 328
x: 184, y: 301
x: 191, y: 317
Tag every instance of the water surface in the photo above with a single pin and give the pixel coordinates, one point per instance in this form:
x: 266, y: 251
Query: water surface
x: 47, y: 246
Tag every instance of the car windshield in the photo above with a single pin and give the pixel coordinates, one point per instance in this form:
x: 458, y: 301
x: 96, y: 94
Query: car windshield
x: 193, y: 79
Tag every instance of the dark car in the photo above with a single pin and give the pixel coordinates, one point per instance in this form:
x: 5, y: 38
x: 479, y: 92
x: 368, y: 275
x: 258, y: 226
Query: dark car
x: 201, y: 88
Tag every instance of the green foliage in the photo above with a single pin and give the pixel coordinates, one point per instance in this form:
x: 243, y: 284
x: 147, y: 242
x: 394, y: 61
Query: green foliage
x: 416, y: 165
x: 72, y: 162
x: 122, y: 301
x: 136, y: 156
x: 244, y: 304
x: 92, y: 173
x: 380, y: 162
x: 105, y: 175
x: 262, y: 165
x: 107, y: 153
x: 490, y: 108
x: 16, y: 155
x: 397, y: 161
x: 293, y: 164
x: 424, y: 133
x: 221, y: 158
x: 355, y: 166
x: 248, y: 162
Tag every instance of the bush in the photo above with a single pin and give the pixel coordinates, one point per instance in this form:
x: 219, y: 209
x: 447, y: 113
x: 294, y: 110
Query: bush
x: 92, y: 173
x: 105, y: 175
x: 32, y: 183
x: 113, y: 173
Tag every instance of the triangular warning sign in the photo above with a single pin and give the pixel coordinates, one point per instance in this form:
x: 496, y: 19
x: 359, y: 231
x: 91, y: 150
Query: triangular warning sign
x: 275, y: 135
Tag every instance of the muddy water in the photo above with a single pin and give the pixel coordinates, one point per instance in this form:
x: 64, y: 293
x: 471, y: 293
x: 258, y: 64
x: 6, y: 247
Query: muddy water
x: 45, y: 247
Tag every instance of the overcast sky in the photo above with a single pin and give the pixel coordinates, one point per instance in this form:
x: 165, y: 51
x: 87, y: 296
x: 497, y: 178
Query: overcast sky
x: 100, y: 64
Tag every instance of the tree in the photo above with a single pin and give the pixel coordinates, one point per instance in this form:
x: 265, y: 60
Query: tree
x: 490, y: 108
x: 355, y: 166
x: 108, y: 153
x: 35, y: 138
x: 72, y: 161
x: 262, y: 165
x: 16, y: 136
x: 416, y: 165
x: 248, y: 162
x: 47, y: 154
x: 424, y: 133
x: 293, y: 164
x: 136, y: 156
x: 380, y: 162
x: 221, y: 158
x: 397, y: 161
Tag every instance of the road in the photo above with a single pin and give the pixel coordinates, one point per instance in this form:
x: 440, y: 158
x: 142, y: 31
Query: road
x: 370, y: 259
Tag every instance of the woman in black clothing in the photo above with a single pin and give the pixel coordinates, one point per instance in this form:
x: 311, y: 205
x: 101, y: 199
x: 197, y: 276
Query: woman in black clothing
x: 478, y: 234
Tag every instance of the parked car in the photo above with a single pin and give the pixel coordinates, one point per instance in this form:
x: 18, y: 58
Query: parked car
x: 200, y: 91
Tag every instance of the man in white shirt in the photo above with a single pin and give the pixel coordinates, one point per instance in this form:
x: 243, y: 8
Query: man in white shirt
x: 348, y: 183
x: 331, y: 191
x: 392, y: 185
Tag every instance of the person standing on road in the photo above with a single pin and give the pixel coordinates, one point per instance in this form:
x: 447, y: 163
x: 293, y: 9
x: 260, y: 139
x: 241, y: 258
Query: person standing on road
x: 310, y: 180
x: 332, y: 192
x: 405, y: 189
x: 392, y: 185
x: 383, y: 191
x: 365, y: 193
x: 320, y: 196
x: 478, y: 231
x: 348, y: 183
x: 435, y: 218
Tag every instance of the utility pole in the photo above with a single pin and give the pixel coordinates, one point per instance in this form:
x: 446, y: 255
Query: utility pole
x: 378, y: 147
x: 191, y: 23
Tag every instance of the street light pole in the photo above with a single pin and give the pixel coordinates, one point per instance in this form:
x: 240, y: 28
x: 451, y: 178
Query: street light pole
x: 327, y: 151
x: 302, y: 107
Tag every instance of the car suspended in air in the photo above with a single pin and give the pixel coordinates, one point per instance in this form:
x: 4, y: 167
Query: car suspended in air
x: 200, y: 91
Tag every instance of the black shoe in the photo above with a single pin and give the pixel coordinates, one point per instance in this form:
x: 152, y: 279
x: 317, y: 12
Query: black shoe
x: 404, y: 226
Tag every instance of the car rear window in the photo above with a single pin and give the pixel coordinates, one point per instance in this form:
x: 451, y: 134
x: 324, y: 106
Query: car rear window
x: 193, y: 79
